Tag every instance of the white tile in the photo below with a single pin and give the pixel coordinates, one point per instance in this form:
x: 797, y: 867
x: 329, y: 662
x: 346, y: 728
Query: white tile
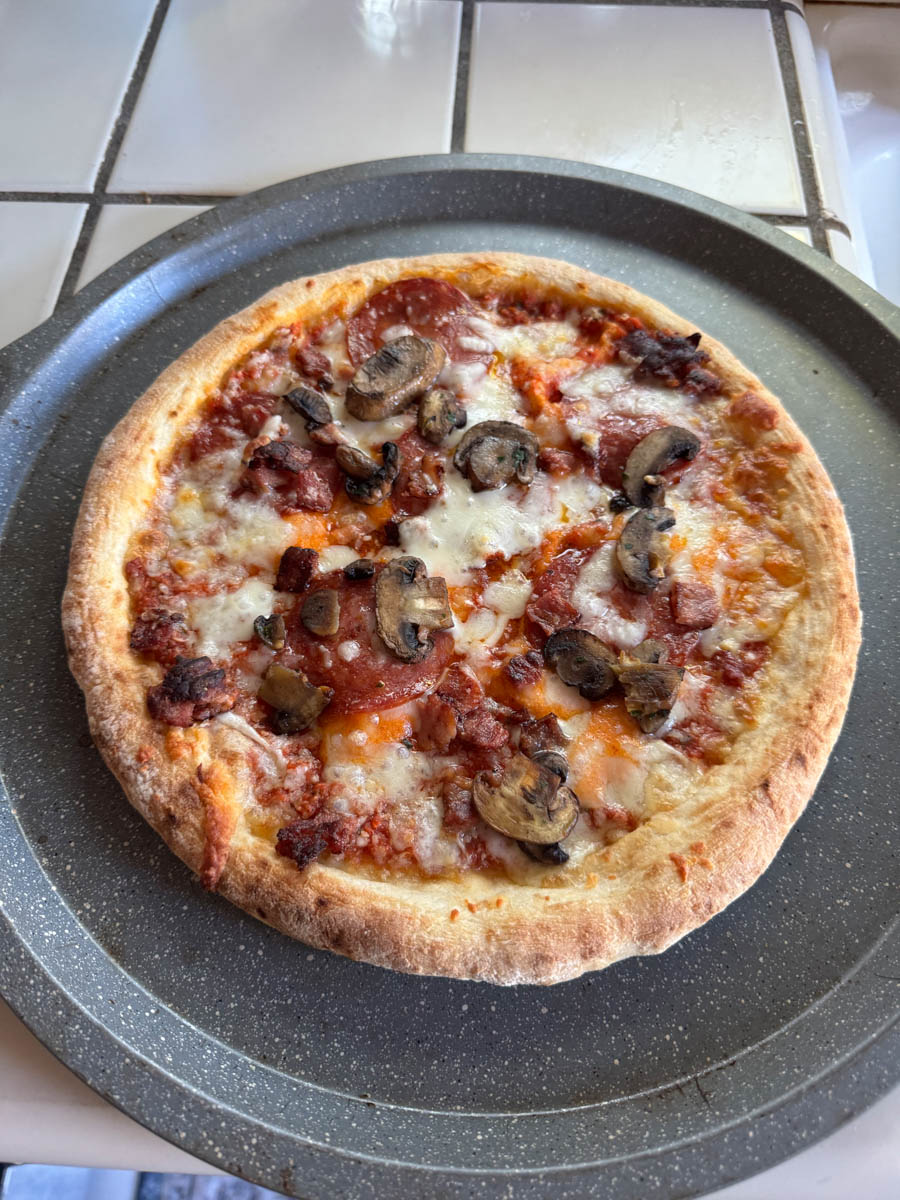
x: 843, y: 251
x: 64, y: 66
x: 688, y: 95
x: 36, y: 243
x: 241, y: 95
x: 123, y: 227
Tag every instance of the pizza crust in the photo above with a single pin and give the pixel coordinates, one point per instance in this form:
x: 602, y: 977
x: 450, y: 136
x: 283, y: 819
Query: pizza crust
x: 475, y: 928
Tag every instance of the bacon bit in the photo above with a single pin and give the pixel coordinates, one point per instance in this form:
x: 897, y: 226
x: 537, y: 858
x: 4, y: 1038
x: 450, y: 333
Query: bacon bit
x: 754, y: 410
x: 192, y: 690
x: 296, y: 569
x: 315, y: 366
x: 694, y: 604
x: 461, y: 688
x: 454, y: 913
x: 160, y: 635
x: 459, y: 810
x: 481, y: 728
x: 544, y: 734
x: 551, y: 611
x: 437, y: 724
x: 524, y: 670
x: 681, y: 865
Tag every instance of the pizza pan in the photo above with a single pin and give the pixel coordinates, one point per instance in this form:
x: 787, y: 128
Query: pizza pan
x: 660, y: 1077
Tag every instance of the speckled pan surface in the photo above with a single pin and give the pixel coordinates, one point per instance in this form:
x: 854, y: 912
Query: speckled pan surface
x: 659, y: 1077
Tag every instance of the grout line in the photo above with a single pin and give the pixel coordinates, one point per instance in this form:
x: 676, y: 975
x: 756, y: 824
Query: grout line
x: 802, y: 141
x: 113, y: 146
x: 145, y: 198
x: 463, y: 61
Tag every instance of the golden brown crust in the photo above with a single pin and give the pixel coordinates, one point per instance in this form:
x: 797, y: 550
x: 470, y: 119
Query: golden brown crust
x: 660, y: 882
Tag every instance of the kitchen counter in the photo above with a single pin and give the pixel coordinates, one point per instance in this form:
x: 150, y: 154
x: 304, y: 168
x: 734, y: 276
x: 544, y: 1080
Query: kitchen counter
x: 120, y: 121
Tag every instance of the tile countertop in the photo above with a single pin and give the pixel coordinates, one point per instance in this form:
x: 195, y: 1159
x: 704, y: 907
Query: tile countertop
x: 119, y: 121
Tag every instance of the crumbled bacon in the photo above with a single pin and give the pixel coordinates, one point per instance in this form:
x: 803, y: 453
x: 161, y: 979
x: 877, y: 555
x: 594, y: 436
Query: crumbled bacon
x: 673, y: 360
x: 296, y: 569
x: 316, y: 366
x: 305, y: 840
x: 437, y: 724
x: 192, y: 690
x: 544, y: 734
x: 461, y: 689
x: 459, y: 809
x: 694, y: 604
x: 280, y: 456
x: 551, y: 611
x: 481, y: 728
x: 523, y: 670
x: 160, y: 635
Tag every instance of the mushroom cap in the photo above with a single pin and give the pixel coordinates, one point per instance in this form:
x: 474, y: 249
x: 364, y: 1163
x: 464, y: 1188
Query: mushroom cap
x: 582, y: 660
x: 296, y: 701
x: 528, y: 804
x: 440, y: 412
x: 391, y: 378
x: 407, y: 605
x: 494, y: 453
x: 640, y: 552
x: 653, y: 453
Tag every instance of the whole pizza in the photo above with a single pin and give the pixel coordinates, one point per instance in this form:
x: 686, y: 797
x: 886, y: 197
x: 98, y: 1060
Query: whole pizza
x: 470, y: 615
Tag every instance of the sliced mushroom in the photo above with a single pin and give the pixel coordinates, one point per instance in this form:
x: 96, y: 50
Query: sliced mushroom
x: 366, y: 481
x: 527, y: 804
x: 321, y: 612
x: 439, y: 414
x: 494, y: 453
x: 407, y: 605
x: 552, y: 855
x: 581, y: 660
x: 649, y: 651
x: 360, y: 568
x: 650, y: 689
x: 553, y: 761
x: 641, y: 481
x: 270, y: 630
x: 391, y: 378
x: 310, y: 404
x: 641, y: 552
x: 296, y: 702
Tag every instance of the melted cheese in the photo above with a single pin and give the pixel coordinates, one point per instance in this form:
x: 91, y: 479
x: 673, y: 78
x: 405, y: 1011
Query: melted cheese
x: 539, y: 339
x: 462, y: 528
x: 227, y: 617
x: 598, y: 614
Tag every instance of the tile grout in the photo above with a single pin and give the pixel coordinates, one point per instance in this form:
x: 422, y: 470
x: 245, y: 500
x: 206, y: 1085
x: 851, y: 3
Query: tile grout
x: 111, y: 153
x: 461, y: 92
x: 806, y: 163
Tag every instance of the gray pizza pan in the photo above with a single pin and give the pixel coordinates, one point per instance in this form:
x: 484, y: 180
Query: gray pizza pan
x: 660, y: 1077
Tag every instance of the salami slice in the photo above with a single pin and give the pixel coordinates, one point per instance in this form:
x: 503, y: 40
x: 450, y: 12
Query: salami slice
x: 429, y: 307
x: 355, y: 662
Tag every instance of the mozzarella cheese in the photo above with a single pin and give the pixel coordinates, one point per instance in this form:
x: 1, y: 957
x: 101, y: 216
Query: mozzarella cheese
x: 598, y: 614
x: 227, y: 617
x: 539, y: 339
x: 462, y: 528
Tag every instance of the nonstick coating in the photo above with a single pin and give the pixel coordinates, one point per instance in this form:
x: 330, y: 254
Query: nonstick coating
x: 303, y: 1071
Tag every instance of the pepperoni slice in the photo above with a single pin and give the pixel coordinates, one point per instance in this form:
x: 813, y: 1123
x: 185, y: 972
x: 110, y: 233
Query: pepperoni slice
x: 355, y: 662
x: 431, y: 308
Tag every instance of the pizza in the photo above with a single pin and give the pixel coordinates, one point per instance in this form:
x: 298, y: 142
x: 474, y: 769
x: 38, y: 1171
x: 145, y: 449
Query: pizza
x: 470, y: 615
